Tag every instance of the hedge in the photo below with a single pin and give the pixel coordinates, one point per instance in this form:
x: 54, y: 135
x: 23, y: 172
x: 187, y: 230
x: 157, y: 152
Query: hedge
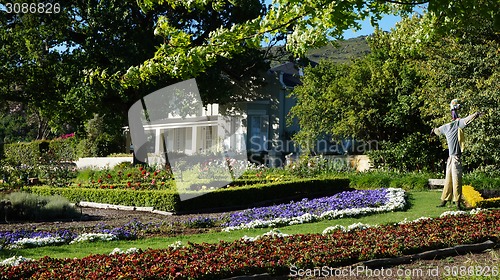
x: 382, y: 179
x: 165, y: 200
x: 30, y: 153
x: 247, y: 196
x: 229, y: 198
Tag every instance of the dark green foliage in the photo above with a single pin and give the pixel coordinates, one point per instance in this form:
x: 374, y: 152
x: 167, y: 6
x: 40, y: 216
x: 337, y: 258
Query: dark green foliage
x: 485, y: 179
x: 101, y: 138
x: 384, y: 179
x: 415, y: 152
x: 49, y: 160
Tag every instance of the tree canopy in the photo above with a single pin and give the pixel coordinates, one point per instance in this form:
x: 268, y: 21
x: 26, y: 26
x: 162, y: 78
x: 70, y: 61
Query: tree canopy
x: 101, y: 56
x: 402, y: 88
x: 66, y: 66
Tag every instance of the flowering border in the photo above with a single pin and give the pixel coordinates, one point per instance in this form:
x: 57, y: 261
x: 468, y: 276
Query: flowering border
x: 273, y: 254
x: 395, y: 201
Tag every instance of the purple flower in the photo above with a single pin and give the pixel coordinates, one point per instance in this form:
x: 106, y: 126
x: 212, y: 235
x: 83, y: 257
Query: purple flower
x: 340, y: 201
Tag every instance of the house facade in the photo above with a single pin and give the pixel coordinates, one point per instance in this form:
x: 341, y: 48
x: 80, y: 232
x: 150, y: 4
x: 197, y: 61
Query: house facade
x: 259, y: 126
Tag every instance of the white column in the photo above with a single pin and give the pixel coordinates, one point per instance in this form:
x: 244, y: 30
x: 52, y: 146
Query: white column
x: 194, y: 140
x: 158, y: 141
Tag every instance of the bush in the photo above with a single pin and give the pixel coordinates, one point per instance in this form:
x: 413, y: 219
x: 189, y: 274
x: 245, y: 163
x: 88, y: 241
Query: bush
x: 165, y: 200
x: 486, y: 178
x: 126, y: 176
x: 475, y: 199
x: 412, y: 153
x: 101, y: 138
x: 44, y: 159
x: 384, y: 179
x: 23, y: 206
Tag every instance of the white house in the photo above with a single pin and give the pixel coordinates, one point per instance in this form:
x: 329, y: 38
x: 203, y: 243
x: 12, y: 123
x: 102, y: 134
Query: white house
x: 260, y: 126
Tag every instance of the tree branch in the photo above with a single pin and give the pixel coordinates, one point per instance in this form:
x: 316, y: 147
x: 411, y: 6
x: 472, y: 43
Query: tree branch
x: 406, y: 3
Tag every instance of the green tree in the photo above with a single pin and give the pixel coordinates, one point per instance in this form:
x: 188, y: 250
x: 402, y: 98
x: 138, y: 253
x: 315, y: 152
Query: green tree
x: 66, y: 66
x: 302, y: 24
x: 403, y: 88
x: 467, y: 68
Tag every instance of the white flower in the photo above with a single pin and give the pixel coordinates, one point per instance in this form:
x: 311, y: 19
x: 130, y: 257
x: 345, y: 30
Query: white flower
x: 405, y: 221
x: 116, y: 251
x: 176, y: 245
x: 274, y: 233
x: 453, y: 213
x: 91, y: 237
x: 36, y: 242
x: 249, y: 238
x: 334, y: 228
x: 120, y: 251
x: 15, y: 260
x: 358, y: 226
x: 132, y: 250
x: 477, y: 211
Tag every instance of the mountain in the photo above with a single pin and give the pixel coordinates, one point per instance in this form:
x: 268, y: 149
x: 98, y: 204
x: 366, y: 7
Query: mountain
x: 338, y: 51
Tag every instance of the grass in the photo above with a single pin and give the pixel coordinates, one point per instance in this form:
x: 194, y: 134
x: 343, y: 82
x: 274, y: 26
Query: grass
x: 421, y: 203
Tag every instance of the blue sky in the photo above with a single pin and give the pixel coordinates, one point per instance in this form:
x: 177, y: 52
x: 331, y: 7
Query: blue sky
x: 388, y: 22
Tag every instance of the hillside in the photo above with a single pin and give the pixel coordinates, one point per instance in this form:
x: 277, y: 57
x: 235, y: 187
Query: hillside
x: 341, y: 52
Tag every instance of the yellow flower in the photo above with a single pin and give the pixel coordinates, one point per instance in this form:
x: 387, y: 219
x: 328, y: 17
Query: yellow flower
x: 472, y: 196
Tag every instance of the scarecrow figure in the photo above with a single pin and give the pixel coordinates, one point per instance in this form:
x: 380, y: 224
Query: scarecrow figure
x: 454, y: 137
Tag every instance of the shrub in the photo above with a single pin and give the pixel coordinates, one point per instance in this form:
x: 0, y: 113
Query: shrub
x: 165, y: 200
x: 263, y: 193
x: 44, y: 159
x: 483, y: 179
x: 100, y: 140
x: 30, y: 207
x: 383, y: 179
x: 414, y: 152
x: 126, y: 176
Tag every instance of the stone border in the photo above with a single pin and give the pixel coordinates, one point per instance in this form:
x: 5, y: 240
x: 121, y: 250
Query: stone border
x: 388, y: 262
x: 122, y: 207
x: 438, y: 253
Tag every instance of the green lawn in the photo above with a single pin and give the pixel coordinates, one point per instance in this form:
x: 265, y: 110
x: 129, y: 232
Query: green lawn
x: 421, y: 204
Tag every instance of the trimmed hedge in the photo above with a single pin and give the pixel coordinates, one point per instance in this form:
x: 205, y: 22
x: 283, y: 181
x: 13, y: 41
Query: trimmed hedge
x: 161, y: 200
x: 246, y: 196
x: 231, y: 197
x: 382, y: 179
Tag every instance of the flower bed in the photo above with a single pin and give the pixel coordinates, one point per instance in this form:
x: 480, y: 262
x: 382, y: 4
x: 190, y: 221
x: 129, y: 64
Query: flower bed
x: 475, y: 199
x: 272, y: 254
x: 34, y: 238
x: 134, y: 178
x: 348, y: 203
